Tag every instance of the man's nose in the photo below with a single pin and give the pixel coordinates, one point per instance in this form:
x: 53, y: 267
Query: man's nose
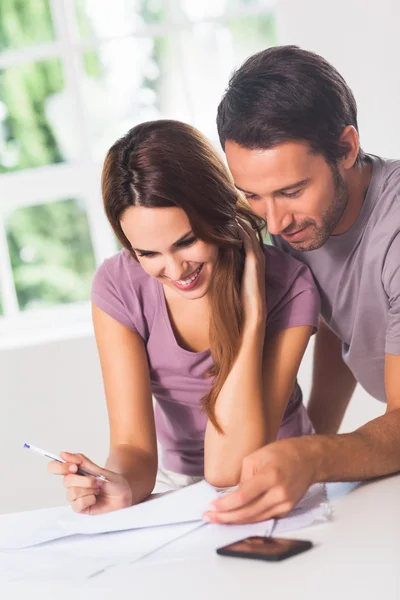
x: 277, y: 217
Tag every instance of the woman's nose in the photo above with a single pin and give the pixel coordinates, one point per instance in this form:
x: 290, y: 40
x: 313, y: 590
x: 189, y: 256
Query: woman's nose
x: 174, y: 269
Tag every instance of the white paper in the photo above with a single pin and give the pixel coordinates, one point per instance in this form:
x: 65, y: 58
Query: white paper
x: 313, y: 508
x: 182, y: 506
x: 77, y: 558
x: 20, y: 530
x: 187, y: 505
x: 201, y: 544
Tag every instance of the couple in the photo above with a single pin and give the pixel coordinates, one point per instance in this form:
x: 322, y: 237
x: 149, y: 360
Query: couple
x: 198, y: 313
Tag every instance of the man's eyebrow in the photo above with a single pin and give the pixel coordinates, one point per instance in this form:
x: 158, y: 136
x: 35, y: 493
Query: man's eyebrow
x: 181, y: 239
x: 284, y: 189
x: 244, y: 191
x: 294, y: 185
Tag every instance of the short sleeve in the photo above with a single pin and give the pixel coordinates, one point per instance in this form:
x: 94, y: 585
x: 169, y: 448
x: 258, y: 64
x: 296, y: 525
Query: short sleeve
x: 391, y: 283
x: 106, y: 295
x: 299, y: 302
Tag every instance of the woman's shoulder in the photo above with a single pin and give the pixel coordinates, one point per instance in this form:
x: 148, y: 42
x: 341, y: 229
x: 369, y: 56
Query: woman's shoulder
x: 122, y: 289
x: 122, y: 270
x: 292, y: 296
x: 282, y: 269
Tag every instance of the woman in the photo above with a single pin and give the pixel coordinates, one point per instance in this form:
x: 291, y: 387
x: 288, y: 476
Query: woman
x: 195, y: 312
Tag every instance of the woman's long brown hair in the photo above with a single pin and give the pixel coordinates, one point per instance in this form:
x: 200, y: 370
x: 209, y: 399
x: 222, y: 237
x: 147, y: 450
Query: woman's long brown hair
x: 169, y: 163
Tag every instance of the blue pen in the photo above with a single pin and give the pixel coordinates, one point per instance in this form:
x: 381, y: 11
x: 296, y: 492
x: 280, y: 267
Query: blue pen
x: 58, y: 459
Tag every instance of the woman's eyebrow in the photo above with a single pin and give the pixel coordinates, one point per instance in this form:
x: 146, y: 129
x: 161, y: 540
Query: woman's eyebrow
x: 181, y: 239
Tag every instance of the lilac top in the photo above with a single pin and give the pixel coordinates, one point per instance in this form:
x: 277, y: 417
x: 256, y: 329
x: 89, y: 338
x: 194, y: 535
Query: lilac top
x: 358, y: 276
x: 123, y: 290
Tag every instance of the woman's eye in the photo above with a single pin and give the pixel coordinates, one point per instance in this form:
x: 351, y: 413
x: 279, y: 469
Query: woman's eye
x: 183, y: 244
x: 146, y: 255
x: 188, y: 242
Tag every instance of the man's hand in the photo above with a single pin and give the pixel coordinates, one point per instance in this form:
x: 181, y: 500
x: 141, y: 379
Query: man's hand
x: 272, y: 482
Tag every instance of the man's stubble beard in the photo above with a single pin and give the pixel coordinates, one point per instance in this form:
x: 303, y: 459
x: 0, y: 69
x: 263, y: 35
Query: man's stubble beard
x: 330, y: 217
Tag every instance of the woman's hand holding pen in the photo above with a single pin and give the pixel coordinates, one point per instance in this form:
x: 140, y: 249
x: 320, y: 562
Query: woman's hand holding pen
x: 253, y: 282
x: 91, y: 495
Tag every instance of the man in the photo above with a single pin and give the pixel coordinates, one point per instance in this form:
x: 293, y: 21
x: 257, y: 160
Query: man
x: 288, y: 125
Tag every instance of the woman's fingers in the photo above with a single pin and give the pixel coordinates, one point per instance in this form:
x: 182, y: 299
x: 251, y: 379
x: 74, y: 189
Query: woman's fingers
x: 84, y: 503
x: 82, y: 481
x: 81, y: 461
x: 57, y: 468
x: 73, y: 493
x: 245, y: 237
x: 250, y: 239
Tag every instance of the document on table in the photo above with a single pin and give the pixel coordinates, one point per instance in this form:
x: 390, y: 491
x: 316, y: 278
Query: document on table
x: 202, y: 542
x: 182, y: 506
x: 83, y: 555
x: 187, y: 505
x: 77, y: 558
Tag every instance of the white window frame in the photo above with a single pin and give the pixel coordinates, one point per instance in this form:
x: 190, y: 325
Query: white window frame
x: 80, y: 179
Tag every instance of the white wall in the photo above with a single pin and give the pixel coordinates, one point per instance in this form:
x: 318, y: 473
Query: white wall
x: 51, y: 393
x: 361, y: 39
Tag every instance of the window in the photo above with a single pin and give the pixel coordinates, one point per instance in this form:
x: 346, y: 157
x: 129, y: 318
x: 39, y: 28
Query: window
x: 75, y: 75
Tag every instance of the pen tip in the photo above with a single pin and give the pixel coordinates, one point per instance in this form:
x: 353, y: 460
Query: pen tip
x: 26, y: 445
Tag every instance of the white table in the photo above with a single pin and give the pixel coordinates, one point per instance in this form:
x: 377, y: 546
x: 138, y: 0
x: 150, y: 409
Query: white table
x: 356, y: 556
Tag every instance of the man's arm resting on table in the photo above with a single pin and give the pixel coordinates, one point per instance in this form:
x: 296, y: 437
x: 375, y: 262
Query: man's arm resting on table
x: 370, y: 451
x: 333, y: 382
x: 277, y: 476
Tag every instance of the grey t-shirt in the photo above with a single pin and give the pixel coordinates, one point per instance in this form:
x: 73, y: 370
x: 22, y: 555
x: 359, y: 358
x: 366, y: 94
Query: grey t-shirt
x: 358, y: 276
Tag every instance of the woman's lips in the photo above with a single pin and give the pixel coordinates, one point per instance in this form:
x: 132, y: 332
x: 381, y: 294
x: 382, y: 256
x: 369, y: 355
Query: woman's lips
x: 192, y: 284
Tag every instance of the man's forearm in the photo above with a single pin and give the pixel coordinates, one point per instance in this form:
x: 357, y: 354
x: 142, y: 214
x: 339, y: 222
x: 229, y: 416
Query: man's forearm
x: 139, y: 469
x: 333, y: 383
x: 371, y: 451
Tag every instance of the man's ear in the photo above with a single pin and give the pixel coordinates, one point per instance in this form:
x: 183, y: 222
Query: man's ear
x: 350, y: 142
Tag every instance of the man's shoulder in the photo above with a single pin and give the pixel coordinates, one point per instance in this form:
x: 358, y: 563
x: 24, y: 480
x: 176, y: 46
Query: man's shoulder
x: 385, y: 181
x: 384, y: 217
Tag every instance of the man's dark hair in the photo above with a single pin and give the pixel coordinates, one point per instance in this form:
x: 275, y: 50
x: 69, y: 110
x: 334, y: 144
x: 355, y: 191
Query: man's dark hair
x: 286, y: 93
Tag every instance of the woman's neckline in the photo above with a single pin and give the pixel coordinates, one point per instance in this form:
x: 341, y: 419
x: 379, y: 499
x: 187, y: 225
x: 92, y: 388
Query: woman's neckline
x: 164, y: 310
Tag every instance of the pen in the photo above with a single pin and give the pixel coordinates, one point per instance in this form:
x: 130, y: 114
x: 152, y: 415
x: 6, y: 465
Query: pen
x: 274, y: 521
x: 58, y: 459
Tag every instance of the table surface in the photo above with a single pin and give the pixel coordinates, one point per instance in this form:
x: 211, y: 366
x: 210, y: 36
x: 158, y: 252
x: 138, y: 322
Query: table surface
x: 355, y: 556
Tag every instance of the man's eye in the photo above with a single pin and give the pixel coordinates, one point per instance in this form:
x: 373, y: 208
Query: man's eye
x: 292, y: 194
x: 251, y: 196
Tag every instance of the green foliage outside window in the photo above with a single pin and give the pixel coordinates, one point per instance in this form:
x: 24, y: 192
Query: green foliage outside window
x: 51, y: 253
x: 50, y: 246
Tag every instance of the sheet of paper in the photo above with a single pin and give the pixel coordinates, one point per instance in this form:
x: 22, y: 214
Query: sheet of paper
x: 202, y: 543
x: 182, y: 506
x: 78, y: 558
x: 314, y: 508
x: 22, y: 530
